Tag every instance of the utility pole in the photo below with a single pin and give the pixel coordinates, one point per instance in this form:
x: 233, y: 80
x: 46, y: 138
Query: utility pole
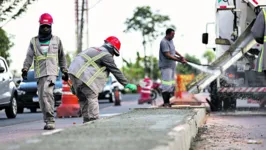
x: 81, y: 8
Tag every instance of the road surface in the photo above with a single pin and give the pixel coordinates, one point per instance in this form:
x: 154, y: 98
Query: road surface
x: 234, y: 131
x: 30, y: 124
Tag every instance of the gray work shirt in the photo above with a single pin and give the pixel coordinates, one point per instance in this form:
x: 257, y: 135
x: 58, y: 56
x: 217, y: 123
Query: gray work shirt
x: 166, y: 46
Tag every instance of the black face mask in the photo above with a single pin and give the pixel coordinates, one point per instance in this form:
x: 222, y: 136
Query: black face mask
x: 45, y: 32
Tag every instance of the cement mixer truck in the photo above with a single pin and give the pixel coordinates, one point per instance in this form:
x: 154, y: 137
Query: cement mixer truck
x: 237, y: 84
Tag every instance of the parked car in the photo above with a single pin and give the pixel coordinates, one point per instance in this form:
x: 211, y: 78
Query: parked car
x: 28, y: 94
x: 7, y: 90
x: 112, y: 90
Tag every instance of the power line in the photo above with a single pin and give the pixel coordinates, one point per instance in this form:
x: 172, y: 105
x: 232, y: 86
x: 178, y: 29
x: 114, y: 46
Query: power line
x: 95, y: 4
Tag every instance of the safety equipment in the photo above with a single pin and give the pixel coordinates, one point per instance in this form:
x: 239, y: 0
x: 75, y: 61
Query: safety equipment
x: 132, y: 87
x: 24, y: 73
x: 46, y: 19
x: 114, y: 43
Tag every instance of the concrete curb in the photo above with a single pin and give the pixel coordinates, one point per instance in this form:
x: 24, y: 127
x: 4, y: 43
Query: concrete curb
x: 184, y: 134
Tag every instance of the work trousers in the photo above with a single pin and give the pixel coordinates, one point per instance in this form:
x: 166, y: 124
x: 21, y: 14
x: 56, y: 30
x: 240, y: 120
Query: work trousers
x: 88, y: 100
x: 46, y: 98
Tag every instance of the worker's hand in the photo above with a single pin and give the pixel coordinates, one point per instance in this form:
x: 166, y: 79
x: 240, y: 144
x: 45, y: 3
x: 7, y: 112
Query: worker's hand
x: 183, y: 60
x: 24, y: 73
x: 132, y: 87
x: 65, y: 75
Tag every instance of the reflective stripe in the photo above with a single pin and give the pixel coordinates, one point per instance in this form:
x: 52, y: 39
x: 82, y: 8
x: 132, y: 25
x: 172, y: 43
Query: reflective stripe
x: 41, y: 57
x: 262, y: 50
x: 91, y: 61
x: 168, y: 82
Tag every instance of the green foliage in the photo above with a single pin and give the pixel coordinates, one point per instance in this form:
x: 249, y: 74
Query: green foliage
x: 135, y: 71
x: 5, y: 45
x: 150, y: 25
x: 209, y: 55
x: 11, y: 10
x: 187, y: 69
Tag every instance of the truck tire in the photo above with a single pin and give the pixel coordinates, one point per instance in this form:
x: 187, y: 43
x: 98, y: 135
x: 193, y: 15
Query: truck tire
x: 226, y: 101
x: 11, y: 110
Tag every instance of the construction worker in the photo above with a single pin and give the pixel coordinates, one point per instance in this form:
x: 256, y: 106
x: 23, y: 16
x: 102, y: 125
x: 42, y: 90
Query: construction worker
x: 47, y: 51
x: 259, y: 33
x: 89, y: 71
x: 167, y: 65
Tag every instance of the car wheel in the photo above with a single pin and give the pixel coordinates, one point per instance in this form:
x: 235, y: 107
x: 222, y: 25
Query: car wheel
x: 11, y: 110
x: 33, y: 110
x: 20, y: 110
x: 111, y: 98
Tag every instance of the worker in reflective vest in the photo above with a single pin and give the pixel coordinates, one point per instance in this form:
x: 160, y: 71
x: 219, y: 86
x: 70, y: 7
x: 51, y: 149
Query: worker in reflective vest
x: 47, y: 52
x: 259, y: 33
x: 89, y: 71
x: 167, y: 65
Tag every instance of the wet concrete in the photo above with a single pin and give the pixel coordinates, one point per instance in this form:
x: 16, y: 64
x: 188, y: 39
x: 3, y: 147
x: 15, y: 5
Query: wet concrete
x: 232, y: 131
x: 140, y: 129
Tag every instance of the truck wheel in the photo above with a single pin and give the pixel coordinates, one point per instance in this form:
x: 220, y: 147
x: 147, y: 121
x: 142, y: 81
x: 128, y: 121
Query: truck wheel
x: 215, y: 100
x: 20, y: 110
x: 229, y: 102
x: 11, y: 110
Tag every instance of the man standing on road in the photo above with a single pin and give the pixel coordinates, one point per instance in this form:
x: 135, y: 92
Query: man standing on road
x: 89, y: 71
x: 167, y: 65
x: 47, y: 51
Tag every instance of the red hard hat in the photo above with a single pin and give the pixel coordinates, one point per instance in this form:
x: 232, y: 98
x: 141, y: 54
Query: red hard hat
x: 46, y: 19
x: 114, y: 41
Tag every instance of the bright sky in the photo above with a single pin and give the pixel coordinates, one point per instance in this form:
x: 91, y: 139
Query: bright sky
x: 107, y: 18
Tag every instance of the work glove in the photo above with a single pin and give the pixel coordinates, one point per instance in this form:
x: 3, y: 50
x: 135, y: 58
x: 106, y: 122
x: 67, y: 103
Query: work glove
x: 24, y: 73
x: 132, y: 87
x: 65, y: 75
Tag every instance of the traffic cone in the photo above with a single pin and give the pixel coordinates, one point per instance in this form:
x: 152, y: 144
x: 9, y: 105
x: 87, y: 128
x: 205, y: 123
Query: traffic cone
x: 70, y: 105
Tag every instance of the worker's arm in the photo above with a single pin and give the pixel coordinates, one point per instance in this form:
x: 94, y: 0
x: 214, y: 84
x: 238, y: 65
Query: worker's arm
x: 61, y: 57
x: 110, y: 65
x: 258, y: 28
x: 176, y: 52
x: 164, y: 47
x: 29, y: 56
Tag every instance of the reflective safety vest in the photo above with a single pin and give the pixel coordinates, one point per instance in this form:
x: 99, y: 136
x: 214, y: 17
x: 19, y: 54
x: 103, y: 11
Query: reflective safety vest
x: 260, y: 59
x: 46, y: 65
x: 84, y: 68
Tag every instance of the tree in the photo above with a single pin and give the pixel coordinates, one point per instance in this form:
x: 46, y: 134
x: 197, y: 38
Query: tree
x: 11, y: 10
x: 187, y: 69
x: 5, y: 45
x: 209, y: 55
x: 148, y: 24
x: 135, y: 71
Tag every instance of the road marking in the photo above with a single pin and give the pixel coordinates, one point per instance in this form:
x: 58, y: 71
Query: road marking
x: 52, y: 132
x: 107, y: 115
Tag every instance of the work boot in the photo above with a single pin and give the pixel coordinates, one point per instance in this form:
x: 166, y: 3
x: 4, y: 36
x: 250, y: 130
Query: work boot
x: 49, y: 126
x: 166, y: 97
x: 85, y: 119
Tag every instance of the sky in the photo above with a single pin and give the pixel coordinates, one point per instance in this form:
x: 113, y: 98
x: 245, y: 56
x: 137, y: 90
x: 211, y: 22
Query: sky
x: 107, y: 18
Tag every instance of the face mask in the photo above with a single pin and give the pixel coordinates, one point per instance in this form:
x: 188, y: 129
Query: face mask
x: 45, y: 30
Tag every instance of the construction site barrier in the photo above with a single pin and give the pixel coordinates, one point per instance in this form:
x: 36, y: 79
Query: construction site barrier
x: 182, y: 81
x: 69, y: 106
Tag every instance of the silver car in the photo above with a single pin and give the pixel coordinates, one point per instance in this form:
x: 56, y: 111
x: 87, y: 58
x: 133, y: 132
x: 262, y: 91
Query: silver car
x: 7, y: 90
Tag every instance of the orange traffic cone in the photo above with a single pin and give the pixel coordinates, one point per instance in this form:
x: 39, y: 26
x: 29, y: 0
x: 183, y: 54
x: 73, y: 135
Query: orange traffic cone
x: 69, y: 106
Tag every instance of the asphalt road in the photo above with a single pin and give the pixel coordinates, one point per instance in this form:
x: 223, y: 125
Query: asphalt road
x: 30, y: 124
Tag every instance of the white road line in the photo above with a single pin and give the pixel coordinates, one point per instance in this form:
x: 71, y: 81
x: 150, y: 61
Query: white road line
x: 52, y: 132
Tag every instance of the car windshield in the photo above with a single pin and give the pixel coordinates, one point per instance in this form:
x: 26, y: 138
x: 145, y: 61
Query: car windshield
x: 109, y: 81
x: 31, y: 78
